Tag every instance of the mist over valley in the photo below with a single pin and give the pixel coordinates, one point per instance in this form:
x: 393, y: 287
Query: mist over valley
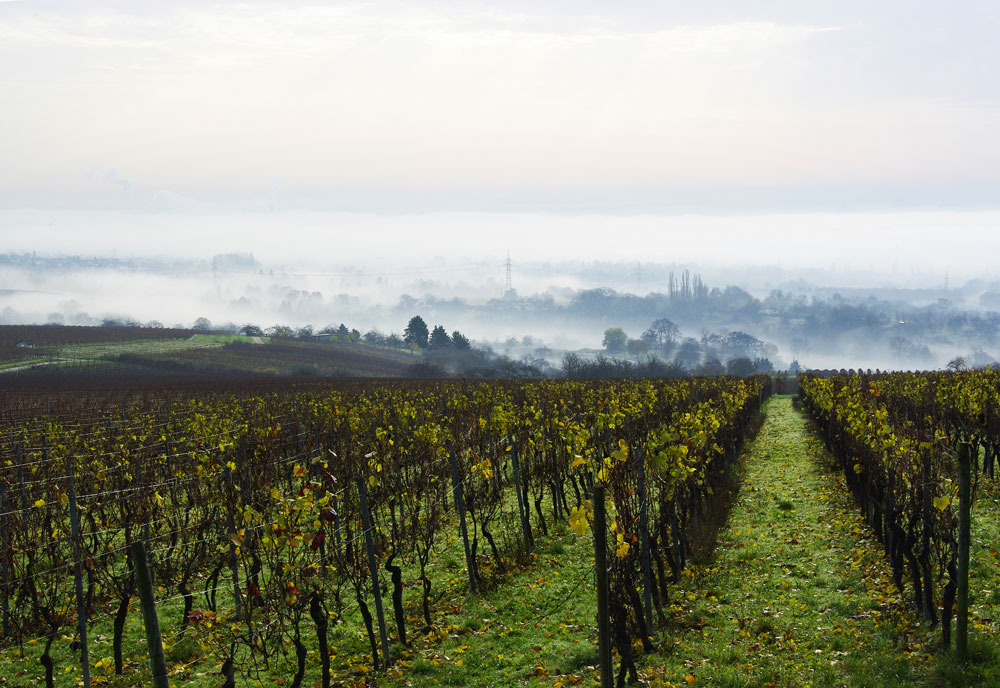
x: 813, y: 305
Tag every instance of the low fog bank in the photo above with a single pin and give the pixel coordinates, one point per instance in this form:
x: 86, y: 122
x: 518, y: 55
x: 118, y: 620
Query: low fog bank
x: 907, y: 249
x: 551, y: 307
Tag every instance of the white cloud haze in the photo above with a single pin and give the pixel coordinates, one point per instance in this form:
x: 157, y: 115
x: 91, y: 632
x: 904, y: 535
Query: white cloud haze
x: 418, y: 142
x: 581, y: 105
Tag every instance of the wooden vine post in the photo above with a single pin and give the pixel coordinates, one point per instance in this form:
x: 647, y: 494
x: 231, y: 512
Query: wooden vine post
x: 601, y: 568
x: 456, y: 486
x: 81, y: 600
x: 3, y: 558
x: 521, y: 506
x: 964, y: 532
x: 925, y: 546
x: 234, y: 565
x: 150, y: 619
x: 137, y: 468
x: 366, y: 522
x: 647, y: 565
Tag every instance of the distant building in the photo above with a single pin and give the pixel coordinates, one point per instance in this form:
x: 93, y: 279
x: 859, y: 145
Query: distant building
x: 243, y: 263
x: 25, y: 344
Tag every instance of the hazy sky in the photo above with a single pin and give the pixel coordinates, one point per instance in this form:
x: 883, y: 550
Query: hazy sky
x: 584, y: 107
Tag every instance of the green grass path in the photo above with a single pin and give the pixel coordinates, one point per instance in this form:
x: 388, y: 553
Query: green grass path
x: 798, y: 593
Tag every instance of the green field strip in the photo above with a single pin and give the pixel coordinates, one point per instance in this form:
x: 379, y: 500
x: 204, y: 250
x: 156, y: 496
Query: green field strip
x: 151, y: 347
x: 24, y: 363
x: 228, y: 339
x: 798, y: 592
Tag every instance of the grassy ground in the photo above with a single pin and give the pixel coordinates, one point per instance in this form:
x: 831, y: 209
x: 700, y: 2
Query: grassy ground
x: 88, y: 352
x: 227, y: 338
x: 93, y: 350
x: 535, y: 629
x: 209, y: 354
x: 22, y: 363
x: 796, y: 594
x: 984, y: 588
x: 531, y: 622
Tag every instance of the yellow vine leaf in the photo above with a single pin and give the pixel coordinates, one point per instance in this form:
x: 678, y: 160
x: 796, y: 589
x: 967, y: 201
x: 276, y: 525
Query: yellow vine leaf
x: 578, y: 520
x: 942, y: 503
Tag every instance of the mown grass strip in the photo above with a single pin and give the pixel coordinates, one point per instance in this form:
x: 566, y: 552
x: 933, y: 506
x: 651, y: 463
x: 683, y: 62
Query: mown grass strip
x: 798, y: 592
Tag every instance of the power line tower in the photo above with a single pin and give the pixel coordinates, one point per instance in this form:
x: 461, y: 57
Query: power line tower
x: 508, y: 286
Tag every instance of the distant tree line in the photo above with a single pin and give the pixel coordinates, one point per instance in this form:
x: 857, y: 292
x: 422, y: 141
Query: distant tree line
x: 821, y: 323
x: 732, y: 353
x: 416, y: 335
x: 575, y: 366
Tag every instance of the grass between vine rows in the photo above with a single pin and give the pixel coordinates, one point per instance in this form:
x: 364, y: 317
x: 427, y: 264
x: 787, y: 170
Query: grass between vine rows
x: 796, y: 593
